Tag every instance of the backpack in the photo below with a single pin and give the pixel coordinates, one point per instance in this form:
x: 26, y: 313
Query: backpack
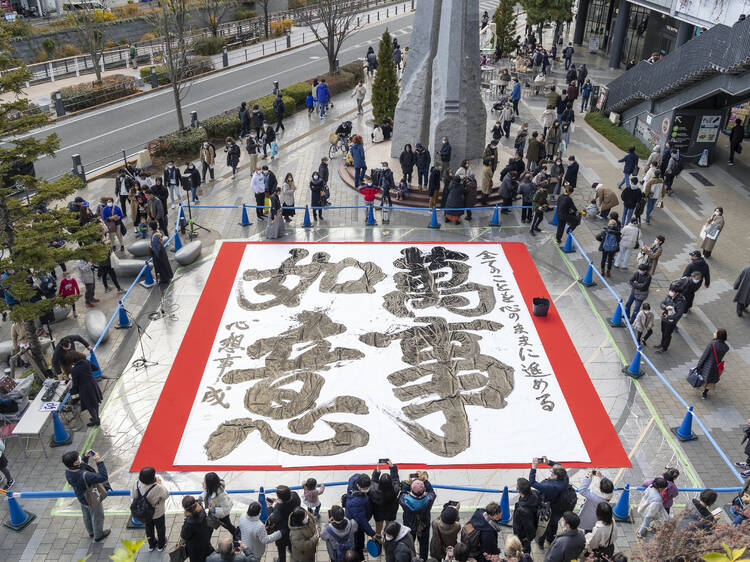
x: 568, y: 499
x: 543, y: 515
x: 341, y: 546
x: 375, y: 175
x: 140, y: 509
x: 609, y: 245
x: 471, y: 537
x: 678, y: 168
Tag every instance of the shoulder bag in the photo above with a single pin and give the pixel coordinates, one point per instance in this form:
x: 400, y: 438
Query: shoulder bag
x: 719, y: 365
x: 605, y: 552
x: 178, y: 553
x: 95, y: 494
x: 695, y: 378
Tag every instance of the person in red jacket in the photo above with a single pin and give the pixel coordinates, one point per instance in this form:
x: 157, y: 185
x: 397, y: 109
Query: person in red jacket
x: 369, y: 191
x: 69, y: 287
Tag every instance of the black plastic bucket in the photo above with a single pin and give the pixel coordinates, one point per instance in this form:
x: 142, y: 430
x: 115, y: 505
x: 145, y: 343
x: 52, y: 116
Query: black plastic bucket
x: 541, y: 306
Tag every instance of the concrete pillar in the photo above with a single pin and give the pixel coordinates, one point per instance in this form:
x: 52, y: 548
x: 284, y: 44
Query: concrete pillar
x: 621, y: 28
x: 685, y: 33
x: 583, y: 9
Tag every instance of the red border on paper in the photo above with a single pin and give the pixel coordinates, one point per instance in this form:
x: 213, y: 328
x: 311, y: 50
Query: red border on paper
x: 164, y: 432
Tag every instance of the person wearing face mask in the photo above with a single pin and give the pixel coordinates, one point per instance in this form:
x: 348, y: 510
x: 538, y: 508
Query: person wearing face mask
x: 554, y: 137
x: 194, y: 176
x: 123, y: 183
x: 711, y: 363
x: 399, y: 544
x: 711, y: 230
x: 258, y: 185
x: 208, y: 157
x: 303, y: 535
x: 233, y: 155
x: 697, y: 265
x: 651, y: 254
x: 672, y: 308
x: 316, y: 197
x: 445, y: 155
x: 386, y: 184
x: 112, y: 217
x: 173, y: 180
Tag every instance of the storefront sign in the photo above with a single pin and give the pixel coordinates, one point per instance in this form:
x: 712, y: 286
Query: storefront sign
x: 649, y: 118
x: 681, y: 132
x: 602, y: 98
x: 647, y: 134
x: 738, y: 112
x: 594, y: 43
x: 709, y: 128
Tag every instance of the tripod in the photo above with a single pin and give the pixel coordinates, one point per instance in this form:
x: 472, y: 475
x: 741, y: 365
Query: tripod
x: 192, y: 225
x: 141, y: 362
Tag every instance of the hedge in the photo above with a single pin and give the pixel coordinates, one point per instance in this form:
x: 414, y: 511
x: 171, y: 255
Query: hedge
x: 188, y: 142
x: 81, y: 96
x: 228, y: 124
x: 616, y: 134
x: 209, y: 46
x: 298, y: 92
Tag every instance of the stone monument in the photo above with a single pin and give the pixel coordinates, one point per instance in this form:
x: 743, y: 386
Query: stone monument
x: 440, y: 93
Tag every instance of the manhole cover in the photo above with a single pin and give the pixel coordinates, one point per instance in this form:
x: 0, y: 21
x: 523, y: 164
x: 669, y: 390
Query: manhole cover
x: 701, y: 178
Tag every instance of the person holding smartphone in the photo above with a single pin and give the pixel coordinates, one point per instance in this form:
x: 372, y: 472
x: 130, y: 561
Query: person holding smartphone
x: 383, y: 494
x: 445, y: 531
x: 80, y: 475
x: 699, y: 516
x: 416, y: 500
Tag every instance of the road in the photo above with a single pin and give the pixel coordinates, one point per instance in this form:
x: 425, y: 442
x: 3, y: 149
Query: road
x: 99, y: 136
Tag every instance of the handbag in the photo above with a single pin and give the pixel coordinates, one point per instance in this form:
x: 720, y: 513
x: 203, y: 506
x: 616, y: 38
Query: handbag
x: 604, y: 553
x: 178, y: 553
x: 212, y: 521
x: 123, y: 230
x: 719, y: 366
x: 695, y: 378
x: 95, y: 494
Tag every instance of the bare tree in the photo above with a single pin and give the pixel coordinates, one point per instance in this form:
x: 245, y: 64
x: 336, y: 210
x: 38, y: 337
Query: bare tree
x: 89, y: 26
x: 264, y: 5
x: 331, y: 22
x: 171, y: 22
x: 213, y: 12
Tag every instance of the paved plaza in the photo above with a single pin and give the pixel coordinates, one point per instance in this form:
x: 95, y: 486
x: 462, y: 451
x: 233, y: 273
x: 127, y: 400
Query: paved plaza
x: 642, y: 411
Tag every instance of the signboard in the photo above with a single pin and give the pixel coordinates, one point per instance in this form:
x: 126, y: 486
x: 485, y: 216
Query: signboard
x: 738, y: 112
x: 49, y: 406
x: 682, y: 131
x: 594, y: 43
x: 665, y: 126
x: 647, y: 134
x: 603, y: 91
x: 649, y: 118
x: 709, y: 128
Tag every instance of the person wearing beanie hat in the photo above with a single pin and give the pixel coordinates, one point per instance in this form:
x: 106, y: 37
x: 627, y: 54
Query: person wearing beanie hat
x: 416, y: 500
x: 445, y: 531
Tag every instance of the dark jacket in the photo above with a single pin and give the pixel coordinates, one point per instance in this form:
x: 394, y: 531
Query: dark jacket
x: 194, y: 175
x: 316, y: 187
x: 508, y: 187
x: 566, y: 209
x: 257, y: 118
x: 526, y: 189
x: 323, y: 172
x: 417, y: 509
x: 386, y: 180
x: 455, y: 198
x: 699, y: 517
x: 630, y: 197
x: 59, y: 351
x: 434, y: 181
x: 401, y: 548
x: 358, y: 155
x: 640, y: 282
x: 359, y: 508
x: 707, y: 364
x: 268, y: 134
x: 384, y: 502
x: 549, y: 488
x: 244, y: 115
x: 422, y: 158
x: 169, y: 173
x: 279, y: 106
x: 736, y: 135
x: 631, y: 161
x: 84, y: 384
x: 79, y: 482
x: 196, y: 534
x: 525, y: 516
x: 488, y: 531
x: 699, y: 264
x: 279, y: 514
x: 233, y: 154
x: 407, y: 160
x: 566, y: 546
x: 470, y: 192
x: 679, y: 304
x: 443, y: 535
x: 445, y: 152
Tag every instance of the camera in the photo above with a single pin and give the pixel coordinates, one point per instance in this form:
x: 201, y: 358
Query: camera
x: 187, y: 183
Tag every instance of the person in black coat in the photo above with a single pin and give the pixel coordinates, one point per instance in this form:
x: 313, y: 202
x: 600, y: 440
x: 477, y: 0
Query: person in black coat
x: 433, y: 187
x: 607, y: 247
x: 257, y: 118
x: 84, y: 385
x: 65, y: 347
x: 735, y: 139
x: 525, y: 514
x: 278, y: 518
x: 571, y: 173
x: 383, y: 493
x: 194, y: 177
x: 317, y: 185
x: 422, y: 160
x: 567, y: 214
x: 697, y: 263
x: 713, y: 355
x: 195, y: 533
x: 162, y: 268
x: 244, y: 116
x: 407, y: 161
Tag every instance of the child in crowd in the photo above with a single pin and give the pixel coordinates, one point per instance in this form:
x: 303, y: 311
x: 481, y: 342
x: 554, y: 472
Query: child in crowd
x: 311, y: 494
x: 274, y: 149
x: 141, y: 229
x: 68, y: 288
x: 339, y: 534
x: 644, y: 323
x: 310, y: 103
x: 402, y: 191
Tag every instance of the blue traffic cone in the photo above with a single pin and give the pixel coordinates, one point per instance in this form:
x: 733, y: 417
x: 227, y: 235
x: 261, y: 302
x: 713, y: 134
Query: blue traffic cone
x: 588, y: 278
x: 616, y: 320
x: 505, y: 508
x: 634, y: 370
x: 307, y: 223
x: 244, y: 221
x: 60, y: 436
x: 177, y: 243
x: 685, y: 431
x: 263, y: 505
x: 495, y: 217
x: 133, y: 523
x: 181, y: 217
x: 434, y: 220
x: 123, y: 320
x: 621, y: 511
x: 19, y: 518
x: 568, y: 247
x: 553, y: 222
x: 370, y: 220
x: 148, y: 278
x: 95, y: 363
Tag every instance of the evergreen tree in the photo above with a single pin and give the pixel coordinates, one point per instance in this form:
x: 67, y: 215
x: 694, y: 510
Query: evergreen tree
x: 30, y: 222
x: 540, y: 12
x: 385, y: 85
x: 505, y: 26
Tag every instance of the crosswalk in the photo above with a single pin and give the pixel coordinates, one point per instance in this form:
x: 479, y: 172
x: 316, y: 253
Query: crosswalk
x: 488, y: 6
